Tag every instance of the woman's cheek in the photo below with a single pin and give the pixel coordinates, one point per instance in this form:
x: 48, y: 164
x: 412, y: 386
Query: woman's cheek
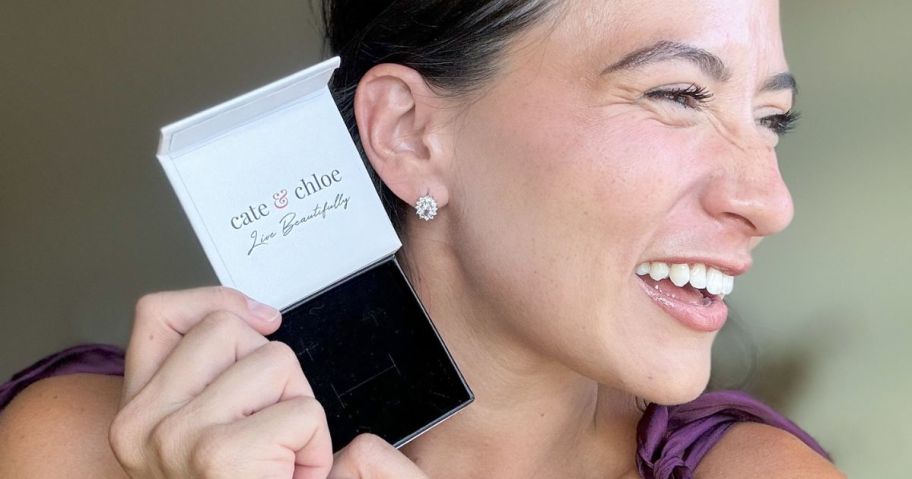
x: 656, y: 160
x: 628, y: 168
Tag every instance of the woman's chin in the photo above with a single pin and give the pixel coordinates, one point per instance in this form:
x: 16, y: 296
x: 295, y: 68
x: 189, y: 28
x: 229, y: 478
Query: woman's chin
x: 677, y: 397
x: 678, y: 393
x: 674, y: 385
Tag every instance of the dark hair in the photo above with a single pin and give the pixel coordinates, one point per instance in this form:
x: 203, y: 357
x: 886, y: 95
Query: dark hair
x: 453, y: 44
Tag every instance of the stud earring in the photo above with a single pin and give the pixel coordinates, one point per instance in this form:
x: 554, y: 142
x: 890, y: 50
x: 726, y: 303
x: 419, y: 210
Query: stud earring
x: 426, y: 207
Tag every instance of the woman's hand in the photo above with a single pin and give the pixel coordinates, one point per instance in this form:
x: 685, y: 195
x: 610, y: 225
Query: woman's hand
x: 206, y: 395
x: 370, y: 457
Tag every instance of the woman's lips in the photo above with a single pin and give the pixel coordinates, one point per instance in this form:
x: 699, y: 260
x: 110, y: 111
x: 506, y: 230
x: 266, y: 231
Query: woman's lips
x: 692, y: 313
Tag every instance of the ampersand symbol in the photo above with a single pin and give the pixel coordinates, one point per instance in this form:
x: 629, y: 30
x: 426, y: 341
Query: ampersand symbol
x: 281, y: 199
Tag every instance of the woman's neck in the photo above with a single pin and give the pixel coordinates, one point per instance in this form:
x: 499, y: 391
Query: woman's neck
x: 532, y: 416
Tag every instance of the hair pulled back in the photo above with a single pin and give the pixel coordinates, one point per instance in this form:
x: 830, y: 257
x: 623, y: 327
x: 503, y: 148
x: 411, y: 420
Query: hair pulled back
x: 453, y: 44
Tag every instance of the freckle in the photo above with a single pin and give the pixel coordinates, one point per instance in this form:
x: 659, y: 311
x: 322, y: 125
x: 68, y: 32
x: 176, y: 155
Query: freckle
x: 650, y: 377
x: 542, y: 415
x: 151, y: 337
x: 55, y: 397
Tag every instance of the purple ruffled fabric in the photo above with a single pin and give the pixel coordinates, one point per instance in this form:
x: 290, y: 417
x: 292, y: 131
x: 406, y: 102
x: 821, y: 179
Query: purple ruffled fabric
x: 671, y: 440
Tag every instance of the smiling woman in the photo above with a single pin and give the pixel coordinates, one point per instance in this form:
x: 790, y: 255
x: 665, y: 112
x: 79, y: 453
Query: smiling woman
x: 603, y: 170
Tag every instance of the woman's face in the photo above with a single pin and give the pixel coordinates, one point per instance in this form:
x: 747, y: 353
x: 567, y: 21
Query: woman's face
x: 624, y: 132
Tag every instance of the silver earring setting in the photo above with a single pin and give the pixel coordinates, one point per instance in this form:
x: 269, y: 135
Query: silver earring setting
x: 426, y: 207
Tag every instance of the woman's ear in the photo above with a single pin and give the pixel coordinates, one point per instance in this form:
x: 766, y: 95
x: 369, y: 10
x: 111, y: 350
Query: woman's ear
x: 399, y: 120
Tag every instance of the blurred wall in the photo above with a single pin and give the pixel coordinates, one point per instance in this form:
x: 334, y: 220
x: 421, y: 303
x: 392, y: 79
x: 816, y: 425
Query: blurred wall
x: 89, y: 222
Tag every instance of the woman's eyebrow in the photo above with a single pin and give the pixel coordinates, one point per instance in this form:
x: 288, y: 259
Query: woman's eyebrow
x: 781, y: 81
x: 665, y: 50
x: 711, y: 64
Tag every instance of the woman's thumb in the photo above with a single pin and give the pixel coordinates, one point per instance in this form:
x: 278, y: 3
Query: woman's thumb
x: 370, y: 457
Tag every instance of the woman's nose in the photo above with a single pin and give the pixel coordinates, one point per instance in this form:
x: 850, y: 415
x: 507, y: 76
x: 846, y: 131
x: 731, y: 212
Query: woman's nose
x: 748, y: 190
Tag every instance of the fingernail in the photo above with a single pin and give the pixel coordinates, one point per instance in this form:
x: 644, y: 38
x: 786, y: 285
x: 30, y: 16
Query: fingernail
x: 263, y: 311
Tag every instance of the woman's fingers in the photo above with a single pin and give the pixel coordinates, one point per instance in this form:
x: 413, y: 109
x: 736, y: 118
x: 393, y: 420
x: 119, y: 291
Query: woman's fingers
x: 163, y: 318
x: 213, y: 346
x: 207, y: 395
x: 298, y: 425
x: 262, y: 400
x: 287, y: 439
x: 370, y: 457
x: 269, y: 375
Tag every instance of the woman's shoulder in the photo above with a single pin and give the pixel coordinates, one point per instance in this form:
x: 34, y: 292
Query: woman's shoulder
x: 752, y: 449
x: 58, y: 426
x: 54, y: 415
x: 726, y: 434
x: 102, y: 359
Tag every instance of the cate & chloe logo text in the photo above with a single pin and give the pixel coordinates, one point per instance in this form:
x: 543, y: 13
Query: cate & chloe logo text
x: 280, y: 202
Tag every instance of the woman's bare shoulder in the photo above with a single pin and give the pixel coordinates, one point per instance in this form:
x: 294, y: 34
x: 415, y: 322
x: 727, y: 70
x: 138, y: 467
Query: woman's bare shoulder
x: 61, y: 424
x: 750, y: 449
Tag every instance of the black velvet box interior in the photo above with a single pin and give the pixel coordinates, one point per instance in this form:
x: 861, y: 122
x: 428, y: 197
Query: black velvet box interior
x: 373, y: 357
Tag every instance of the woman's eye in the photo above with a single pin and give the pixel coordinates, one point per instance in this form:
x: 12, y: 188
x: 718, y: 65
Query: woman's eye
x: 782, y: 123
x: 692, y: 96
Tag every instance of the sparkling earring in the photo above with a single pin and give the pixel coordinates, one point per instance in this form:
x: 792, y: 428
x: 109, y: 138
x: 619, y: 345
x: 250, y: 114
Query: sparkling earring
x: 426, y: 207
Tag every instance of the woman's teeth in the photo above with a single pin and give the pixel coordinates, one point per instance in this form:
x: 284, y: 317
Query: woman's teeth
x: 698, y: 275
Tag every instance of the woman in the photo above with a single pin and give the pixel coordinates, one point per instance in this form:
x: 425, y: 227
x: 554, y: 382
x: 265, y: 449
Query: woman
x: 602, y: 172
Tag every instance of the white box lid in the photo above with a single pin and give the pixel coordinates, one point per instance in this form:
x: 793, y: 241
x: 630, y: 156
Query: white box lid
x: 277, y: 168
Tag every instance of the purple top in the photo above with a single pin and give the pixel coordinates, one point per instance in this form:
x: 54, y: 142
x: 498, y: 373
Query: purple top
x: 671, y: 440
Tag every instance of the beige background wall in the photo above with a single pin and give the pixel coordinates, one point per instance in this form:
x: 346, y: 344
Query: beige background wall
x: 89, y: 222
